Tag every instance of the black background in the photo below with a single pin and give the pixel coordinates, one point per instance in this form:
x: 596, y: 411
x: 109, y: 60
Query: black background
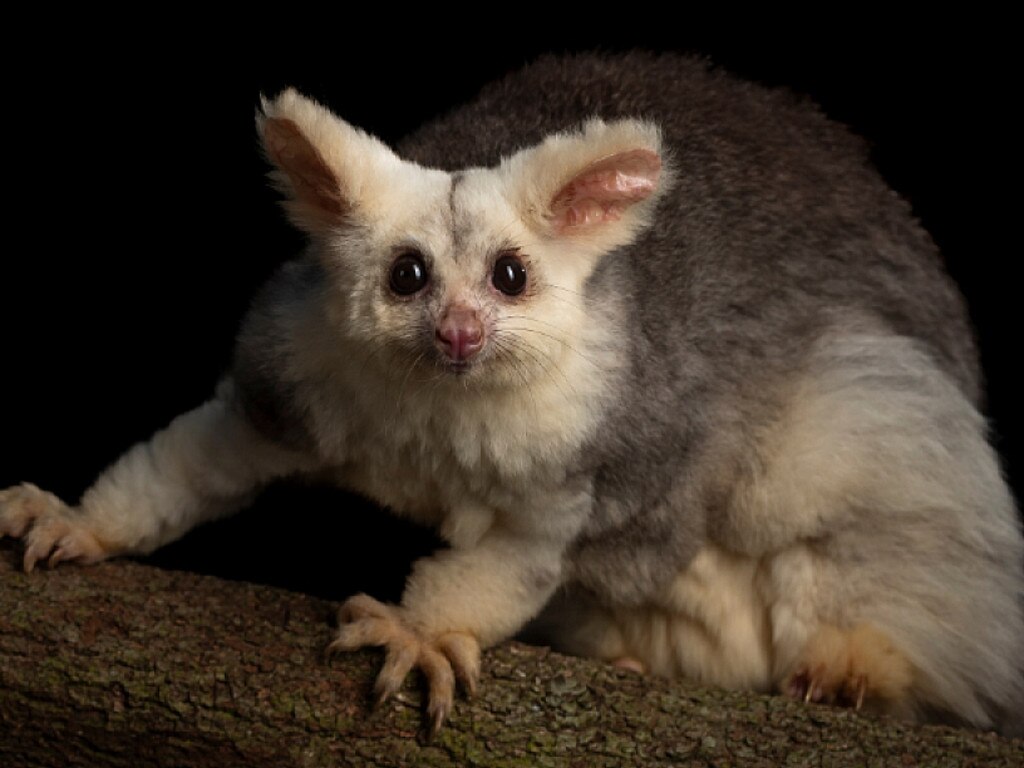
x: 140, y: 223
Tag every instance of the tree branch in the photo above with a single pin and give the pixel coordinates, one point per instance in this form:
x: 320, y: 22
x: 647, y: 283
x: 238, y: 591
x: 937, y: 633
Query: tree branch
x: 124, y: 664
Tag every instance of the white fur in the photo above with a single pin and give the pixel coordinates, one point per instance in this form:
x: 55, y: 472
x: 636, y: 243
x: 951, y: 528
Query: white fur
x: 711, y: 625
x: 204, y: 465
x: 376, y: 182
x: 874, y: 438
x: 485, y: 456
x: 210, y: 454
x: 483, y: 446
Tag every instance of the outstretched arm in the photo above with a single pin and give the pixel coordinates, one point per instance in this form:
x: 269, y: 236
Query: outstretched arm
x: 205, y: 464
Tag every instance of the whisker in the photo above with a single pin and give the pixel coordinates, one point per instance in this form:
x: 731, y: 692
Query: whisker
x: 504, y: 354
x: 401, y: 392
x: 388, y: 346
x: 532, y: 320
x: 539, y: 358
x: 553, y: 287
x: 567, y: 345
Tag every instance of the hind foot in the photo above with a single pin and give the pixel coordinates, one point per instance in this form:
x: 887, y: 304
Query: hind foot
x: 858, y: 668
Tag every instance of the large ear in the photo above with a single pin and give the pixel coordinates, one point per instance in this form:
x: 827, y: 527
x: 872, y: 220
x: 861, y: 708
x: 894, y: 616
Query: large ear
x: 592, y: 187
x: 326, y: 168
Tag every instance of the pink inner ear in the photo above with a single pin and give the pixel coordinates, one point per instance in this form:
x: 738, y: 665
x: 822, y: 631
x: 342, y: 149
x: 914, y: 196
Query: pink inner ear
x: 313, y: 181
x: 604, y: 190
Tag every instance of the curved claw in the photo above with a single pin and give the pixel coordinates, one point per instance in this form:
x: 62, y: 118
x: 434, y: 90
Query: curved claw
x: 51, y: 531
x: 862, y: 688
x: 806, y: 685
x: 443, y: 660
x: 798, y: 685
x: 437, y: 712
x: 58, y: 554
x: 858, y: 668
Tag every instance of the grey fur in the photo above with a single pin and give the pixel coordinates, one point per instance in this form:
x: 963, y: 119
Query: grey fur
x: 776, y: 224
x: 264, y: 395
x: 779, y: 256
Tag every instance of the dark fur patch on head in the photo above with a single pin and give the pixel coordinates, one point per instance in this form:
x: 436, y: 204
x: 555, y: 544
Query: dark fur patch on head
x: 461, y: 226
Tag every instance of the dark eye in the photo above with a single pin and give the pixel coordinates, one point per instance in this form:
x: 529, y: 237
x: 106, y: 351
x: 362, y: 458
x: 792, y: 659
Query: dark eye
x: 408, y: 274
x: 509, y: 275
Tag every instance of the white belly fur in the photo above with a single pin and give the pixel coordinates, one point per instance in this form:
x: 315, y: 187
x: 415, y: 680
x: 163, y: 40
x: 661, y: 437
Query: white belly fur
x: 712, y: 625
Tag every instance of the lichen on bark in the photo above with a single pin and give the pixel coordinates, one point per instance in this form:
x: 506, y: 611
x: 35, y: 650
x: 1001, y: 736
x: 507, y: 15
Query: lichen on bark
x: 123, y: 664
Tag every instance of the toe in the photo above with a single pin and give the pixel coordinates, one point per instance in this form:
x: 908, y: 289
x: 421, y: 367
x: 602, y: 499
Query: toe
x: 17, y: 510
x: 33, y: 555
x: 365, y: 621
x: 401, y: 658
x: 463, y: 653
x: 361, y: 633
x: 440, y: 686
x: 798, y: 685
x: 40, y: 541
x: 362, y: 607
x: 630, y: 664
x: 12, y: 523
x: 76, y: 545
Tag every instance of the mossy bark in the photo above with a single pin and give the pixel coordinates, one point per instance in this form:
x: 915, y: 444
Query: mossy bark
x: 126, y: 665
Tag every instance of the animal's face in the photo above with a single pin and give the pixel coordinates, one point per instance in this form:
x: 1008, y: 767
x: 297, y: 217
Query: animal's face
x: 476, y: 276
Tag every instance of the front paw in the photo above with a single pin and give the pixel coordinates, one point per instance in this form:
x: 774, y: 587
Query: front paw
x: 50, y: 529
x: 442, y: 658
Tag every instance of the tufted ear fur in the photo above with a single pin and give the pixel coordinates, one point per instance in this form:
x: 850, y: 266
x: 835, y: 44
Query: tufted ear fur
x: 328, y: 169
x: 594, y: 187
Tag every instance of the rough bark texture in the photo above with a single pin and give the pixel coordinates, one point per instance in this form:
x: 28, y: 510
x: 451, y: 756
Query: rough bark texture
x: 127, y: 665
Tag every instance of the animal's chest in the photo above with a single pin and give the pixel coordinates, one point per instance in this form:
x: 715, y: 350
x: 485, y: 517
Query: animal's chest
x: 425, y: 459
x: 414, y: 469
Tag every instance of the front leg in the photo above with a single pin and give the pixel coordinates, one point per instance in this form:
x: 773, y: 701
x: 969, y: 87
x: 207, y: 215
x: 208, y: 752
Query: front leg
x: 455, y: 603
x: 205, y: 464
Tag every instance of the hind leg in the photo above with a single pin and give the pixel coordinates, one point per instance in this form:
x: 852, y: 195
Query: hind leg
x: 891, y: 552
